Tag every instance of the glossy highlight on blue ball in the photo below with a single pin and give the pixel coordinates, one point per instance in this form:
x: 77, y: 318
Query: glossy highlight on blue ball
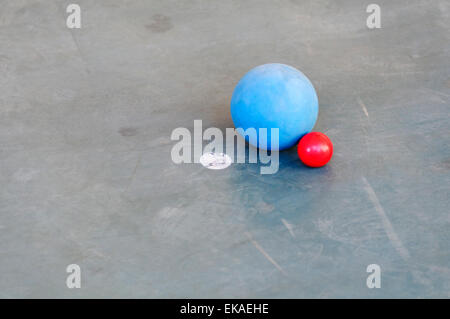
x: 275, y: 96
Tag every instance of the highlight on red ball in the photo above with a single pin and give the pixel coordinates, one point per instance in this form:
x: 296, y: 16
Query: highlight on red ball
x: 315, y: 149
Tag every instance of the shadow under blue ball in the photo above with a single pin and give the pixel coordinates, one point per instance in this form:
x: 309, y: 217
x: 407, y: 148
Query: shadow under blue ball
x: 275, y: 96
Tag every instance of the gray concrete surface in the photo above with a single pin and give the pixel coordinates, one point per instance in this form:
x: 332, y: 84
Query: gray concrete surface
x: 86, y: 175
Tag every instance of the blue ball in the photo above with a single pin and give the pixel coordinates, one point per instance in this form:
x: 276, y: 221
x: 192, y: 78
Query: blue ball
x: 275, y: 96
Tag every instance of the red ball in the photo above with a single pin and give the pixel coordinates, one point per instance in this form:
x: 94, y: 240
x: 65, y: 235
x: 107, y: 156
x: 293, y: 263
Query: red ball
x: 315, y: 149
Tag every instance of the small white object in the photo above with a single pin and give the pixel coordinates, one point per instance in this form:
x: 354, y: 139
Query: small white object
x: 215, y: 160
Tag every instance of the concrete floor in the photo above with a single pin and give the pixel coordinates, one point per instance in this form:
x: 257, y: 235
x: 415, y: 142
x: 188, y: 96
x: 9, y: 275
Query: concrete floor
x: 87, y: 178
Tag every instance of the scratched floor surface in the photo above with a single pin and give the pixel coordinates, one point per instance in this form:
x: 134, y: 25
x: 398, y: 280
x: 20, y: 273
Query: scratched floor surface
x: 87, y: 178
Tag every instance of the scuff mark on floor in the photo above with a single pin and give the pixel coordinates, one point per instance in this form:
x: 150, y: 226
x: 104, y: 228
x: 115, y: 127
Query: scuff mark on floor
x: 388, y: 228
x: 265, y: 254
x: 288, y: 226
x: 363, y: 106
